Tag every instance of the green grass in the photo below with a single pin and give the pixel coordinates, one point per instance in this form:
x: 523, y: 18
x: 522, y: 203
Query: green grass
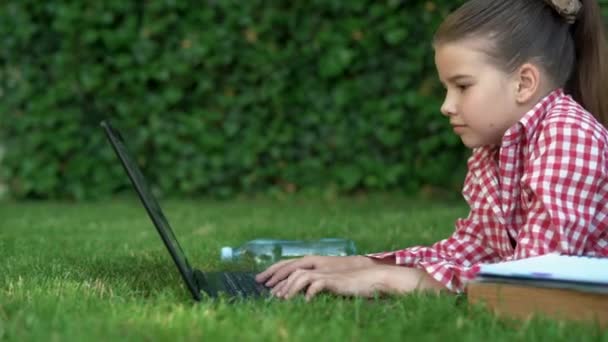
x: 98, y: 271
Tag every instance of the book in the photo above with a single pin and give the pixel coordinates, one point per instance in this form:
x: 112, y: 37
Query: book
x: 557, y: 286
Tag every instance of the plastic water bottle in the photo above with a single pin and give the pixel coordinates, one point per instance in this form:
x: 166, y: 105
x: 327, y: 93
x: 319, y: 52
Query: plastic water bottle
x: 263, y: 252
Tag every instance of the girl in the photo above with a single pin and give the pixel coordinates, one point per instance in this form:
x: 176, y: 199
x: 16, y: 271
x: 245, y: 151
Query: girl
x: 522, y: 79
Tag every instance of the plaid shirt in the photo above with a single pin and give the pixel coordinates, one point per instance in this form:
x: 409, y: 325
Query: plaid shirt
x: 544, y: 189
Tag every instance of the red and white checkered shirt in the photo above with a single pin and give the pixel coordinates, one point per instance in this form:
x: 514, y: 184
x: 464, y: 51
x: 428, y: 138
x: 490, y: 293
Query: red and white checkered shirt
x: 544, y: 189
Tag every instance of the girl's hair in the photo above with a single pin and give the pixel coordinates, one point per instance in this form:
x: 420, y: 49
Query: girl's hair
x: 520, y: 31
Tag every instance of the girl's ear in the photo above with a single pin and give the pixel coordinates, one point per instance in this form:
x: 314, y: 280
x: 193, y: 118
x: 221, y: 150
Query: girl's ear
x: 528, y: 83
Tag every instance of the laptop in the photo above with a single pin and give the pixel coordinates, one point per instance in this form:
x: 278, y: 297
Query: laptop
x: 214, y: 284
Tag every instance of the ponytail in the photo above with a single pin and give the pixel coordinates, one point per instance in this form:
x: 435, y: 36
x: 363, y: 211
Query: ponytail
x: 588, y: 84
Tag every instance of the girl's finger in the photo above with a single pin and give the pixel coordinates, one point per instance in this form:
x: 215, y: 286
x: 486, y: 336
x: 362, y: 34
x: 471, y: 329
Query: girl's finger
x: 288, y: 269
x: 278, y: 288
x: 286, y: 284
x: 300, y: 281
x: 314, y: 288
x: 261, y: 277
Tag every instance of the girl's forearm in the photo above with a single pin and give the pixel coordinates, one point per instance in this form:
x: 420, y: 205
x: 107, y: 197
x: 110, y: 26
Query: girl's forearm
x: 399, y: 279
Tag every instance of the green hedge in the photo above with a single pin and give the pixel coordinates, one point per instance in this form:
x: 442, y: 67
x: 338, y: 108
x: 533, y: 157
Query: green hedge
x: 225, y: 96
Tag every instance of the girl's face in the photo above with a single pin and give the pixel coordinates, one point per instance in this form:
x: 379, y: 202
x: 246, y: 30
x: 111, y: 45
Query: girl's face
x: 481, y: 99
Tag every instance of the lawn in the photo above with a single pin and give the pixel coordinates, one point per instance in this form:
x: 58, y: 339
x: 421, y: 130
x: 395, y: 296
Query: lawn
x: 98, y: 271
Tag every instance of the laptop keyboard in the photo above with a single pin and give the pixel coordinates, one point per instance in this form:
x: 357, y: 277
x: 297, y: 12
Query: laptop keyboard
x: 235, y: 284
x: 243, y: 284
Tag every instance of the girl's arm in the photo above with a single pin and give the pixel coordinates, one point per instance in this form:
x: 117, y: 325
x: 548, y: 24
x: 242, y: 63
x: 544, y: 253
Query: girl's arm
x: 399, y: 279
x: 565, y: 190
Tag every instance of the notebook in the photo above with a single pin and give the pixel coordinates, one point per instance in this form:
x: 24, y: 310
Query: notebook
x: 556, y: 286
x: 555, y: 270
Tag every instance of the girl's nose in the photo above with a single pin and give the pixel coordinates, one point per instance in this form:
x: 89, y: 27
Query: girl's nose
x: 448, y: 108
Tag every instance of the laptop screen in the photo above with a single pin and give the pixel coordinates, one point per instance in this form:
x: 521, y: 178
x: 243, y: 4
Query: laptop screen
x: 152, y: 206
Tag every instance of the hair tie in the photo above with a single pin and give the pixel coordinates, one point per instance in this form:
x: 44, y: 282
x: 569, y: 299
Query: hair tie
x: 568, y: 9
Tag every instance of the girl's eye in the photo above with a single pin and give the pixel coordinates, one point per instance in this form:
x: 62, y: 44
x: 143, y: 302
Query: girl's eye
x: 462, y: 87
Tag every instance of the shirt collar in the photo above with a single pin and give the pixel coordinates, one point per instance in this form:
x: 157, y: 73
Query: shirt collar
x: 526, y: 126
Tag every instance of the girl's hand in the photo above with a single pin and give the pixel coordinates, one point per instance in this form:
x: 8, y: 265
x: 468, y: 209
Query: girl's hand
x: 283, y: 269
x: 359, y: 282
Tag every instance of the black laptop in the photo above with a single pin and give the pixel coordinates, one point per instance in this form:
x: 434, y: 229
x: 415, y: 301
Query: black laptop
x: 230, y: 284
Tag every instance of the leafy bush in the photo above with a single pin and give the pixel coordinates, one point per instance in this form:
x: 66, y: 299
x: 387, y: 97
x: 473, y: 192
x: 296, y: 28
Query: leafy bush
x: 219, y: 97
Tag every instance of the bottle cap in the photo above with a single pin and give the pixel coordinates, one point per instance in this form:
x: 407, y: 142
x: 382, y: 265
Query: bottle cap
x: 226, y: 253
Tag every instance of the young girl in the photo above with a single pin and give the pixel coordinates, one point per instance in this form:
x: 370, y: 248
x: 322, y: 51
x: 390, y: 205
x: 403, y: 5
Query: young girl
x: 522, y: 79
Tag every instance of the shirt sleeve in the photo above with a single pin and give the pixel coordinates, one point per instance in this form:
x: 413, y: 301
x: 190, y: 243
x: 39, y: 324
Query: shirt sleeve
x: 451, y: 261
x: 564, y: 188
